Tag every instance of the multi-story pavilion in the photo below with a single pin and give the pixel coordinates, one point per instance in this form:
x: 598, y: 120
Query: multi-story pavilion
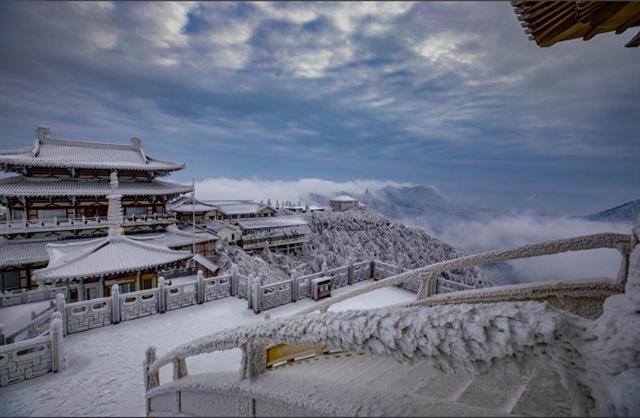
x: 59, y: 193
x: 282, y: 233
x: 98, y: 264
x: 231, y: 211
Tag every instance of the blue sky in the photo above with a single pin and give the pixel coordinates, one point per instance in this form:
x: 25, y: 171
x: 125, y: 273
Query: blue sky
x: 447, y: 94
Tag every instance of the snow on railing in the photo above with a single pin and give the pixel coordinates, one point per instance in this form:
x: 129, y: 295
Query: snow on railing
x: 550, y: 333
x: 86, y: 315
x: 39, y: 323
x: 22, y: 296
x: 428, y: 274
x: 24, y: 360
x: 468, y: 336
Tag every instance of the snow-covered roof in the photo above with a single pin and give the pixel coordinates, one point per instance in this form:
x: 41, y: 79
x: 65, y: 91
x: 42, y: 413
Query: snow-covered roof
x: 274, y: 222
x: 189, y: 208
x: 205, y: 262
x: 343, y: 198
x: 243, y: 208
x: 27, y: 186
x: 66, y: 153
x: 109, y: 255
x: 27, y: 251
x: 217, y: 226
x: 174, y: 237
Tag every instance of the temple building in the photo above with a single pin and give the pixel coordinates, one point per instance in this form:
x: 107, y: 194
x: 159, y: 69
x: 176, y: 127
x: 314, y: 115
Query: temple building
x: 343, y: 202
x: 230, y: 211
x: 59, y: 197
x: 251, y: 225
x: 98, y: 264
x: 281, y: 233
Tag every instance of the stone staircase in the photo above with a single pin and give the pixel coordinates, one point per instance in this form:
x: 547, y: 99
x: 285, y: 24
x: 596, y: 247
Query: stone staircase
x: 503, y: 390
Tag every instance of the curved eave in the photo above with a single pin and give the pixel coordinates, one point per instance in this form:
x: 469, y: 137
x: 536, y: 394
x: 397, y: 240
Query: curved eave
x: 18, y: 165
x: 107, y: 272
x: 19, y: 187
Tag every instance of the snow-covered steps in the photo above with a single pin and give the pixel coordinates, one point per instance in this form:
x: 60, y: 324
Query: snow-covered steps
x: 346, y: 384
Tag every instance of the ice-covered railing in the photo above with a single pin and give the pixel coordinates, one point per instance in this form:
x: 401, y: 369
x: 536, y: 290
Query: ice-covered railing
x: 52, y: 224
x: 597, y: 360
x: 42, y: 354
x: 429, y: 280
x: 38, y: 324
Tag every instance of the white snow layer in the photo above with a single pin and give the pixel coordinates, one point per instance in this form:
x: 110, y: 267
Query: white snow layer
x: 103, y: 373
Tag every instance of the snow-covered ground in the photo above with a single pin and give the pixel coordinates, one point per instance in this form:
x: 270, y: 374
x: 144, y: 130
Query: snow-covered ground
x: 103, y: 373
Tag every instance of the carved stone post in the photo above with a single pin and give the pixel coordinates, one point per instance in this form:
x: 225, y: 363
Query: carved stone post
x: 200, y: 287
x: 254, y: 359
x: 257, y: 295
x: 115, y: 304
x: 60, y: 302
x: 153, y: 380
x: 324, y: 268
x: 162, y: 305
x: 294, y: 287
x: 234, y: 280
x: 57, y: 336
x: 249, y: 292
x: 150, y: 380
x: 180, y: 368
x: 427, y: 285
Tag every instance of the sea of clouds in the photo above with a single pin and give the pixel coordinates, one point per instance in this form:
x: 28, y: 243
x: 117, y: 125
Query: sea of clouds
x: 471, y: 236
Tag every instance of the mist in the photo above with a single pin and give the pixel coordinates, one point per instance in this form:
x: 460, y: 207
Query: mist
x: 257, y: 189
x: 470, y: 235
x: 520, y: 229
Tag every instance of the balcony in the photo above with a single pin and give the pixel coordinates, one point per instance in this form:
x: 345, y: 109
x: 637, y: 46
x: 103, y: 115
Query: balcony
x: 65, y: 224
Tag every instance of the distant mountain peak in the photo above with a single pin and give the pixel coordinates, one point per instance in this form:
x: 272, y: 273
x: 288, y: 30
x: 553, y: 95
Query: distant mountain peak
x: 625, y: 213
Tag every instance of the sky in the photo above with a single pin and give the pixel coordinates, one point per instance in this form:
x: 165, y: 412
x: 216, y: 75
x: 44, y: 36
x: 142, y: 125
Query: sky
x: 452, y: 95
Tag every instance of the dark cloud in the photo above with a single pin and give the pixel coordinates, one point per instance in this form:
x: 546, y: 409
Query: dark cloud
x: 446, y: 93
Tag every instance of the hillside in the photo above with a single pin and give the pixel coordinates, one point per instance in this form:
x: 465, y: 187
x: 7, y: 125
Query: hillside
x: 625, y: 213
x: 357, y: 235
x: 415, y: 205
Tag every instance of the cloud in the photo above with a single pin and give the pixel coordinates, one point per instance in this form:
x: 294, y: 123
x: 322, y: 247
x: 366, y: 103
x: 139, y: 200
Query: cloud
x: 257, y: 189
x: 521, y: 229
x: 451, y: 93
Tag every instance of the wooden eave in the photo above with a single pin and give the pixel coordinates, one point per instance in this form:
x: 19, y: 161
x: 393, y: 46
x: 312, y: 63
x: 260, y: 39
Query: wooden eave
x: 550, y: 22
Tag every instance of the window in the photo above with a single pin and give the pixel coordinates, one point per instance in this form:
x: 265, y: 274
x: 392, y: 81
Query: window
x: 10, y: 280
x: 135, y: 210
x: 52, y: 213
x: 17, y: 214
x: 147, y: 284
x: 127, y: 287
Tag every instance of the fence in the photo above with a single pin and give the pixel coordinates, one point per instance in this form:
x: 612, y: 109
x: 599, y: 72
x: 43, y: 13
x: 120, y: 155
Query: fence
x: 38, y: 324
x: 21, y: 296
x: 263, y: 297
x: 35, y: 357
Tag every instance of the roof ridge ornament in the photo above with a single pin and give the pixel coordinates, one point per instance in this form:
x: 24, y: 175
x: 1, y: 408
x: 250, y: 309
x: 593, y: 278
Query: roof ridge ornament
x: 41, y: 135
x: 136, y: 142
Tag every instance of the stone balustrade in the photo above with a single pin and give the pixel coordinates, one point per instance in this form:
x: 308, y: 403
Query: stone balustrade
x: 24, y: 360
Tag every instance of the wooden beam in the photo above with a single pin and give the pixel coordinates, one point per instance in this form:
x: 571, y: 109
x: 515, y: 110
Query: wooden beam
x: 634, y: 42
